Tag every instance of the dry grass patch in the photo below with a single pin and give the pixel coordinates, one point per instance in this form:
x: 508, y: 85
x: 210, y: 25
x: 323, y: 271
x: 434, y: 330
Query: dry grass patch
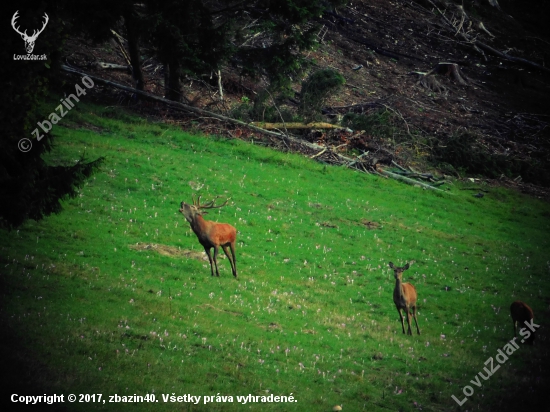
x: 171, y: 251
x: 369, y: 224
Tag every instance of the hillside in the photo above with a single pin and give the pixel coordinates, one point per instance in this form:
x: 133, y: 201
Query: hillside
x: 491, y: 121
x: 113, y: 296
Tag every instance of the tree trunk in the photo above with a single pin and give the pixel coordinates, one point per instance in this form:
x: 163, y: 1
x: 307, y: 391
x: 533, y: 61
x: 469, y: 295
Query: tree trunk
x: 173, y: 86
x: 132, y: 32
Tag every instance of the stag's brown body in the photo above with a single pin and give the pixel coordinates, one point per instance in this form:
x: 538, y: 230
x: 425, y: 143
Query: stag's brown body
x: 211, y: 234
x: 404, y: 297
x: 522, y: 313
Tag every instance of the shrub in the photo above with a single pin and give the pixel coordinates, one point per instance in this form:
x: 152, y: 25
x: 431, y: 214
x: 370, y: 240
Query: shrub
x: 378, y: 124
x: 316, y: 89
x: 464, y: 152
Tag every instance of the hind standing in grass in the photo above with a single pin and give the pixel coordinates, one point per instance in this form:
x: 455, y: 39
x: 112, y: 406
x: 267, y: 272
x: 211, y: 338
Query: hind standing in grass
x: 211, y: 234
x: 404, y: 297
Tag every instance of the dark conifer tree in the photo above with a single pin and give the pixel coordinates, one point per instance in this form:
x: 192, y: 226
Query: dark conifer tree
x: 30, y: 187
x: 262, y: 37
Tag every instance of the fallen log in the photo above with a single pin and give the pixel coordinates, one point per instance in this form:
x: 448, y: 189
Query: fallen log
x: 287, y: 138
x: 178, y: 105
x: 202, y: 112
x: 410, y: 181
x: 112, y: 66
x: 296, y: 125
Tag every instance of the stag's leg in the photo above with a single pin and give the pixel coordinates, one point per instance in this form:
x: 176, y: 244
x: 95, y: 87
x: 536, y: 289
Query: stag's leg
x: 415, y: 320
x: 515, y: 326
x: 402, y: 322
x: 216, y: 260
x: 231, y: 258
x: 207, y: 250
x: 232, y: 247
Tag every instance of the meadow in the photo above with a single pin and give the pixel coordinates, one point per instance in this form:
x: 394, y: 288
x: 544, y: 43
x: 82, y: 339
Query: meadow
x: 114, y: 295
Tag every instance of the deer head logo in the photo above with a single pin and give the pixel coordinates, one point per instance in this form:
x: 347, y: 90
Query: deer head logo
x: 29, y: 40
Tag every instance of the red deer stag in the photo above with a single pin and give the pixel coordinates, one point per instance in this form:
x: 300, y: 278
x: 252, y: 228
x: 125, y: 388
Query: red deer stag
x: 211, y: 234
x: 404, y: 297
x: 522, y: 315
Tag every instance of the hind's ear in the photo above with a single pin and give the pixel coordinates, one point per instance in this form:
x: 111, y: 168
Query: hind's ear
x: 391, y: 264
x: 406, y: 267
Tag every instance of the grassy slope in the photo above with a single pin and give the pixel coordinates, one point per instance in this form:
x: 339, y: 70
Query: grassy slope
x: 311, y: 313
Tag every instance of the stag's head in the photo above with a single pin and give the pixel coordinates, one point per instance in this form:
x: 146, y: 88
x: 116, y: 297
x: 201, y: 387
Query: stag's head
x: 189, y: 211
x: 29, y: 40
x: 398, y: 271
x: 196, y: 209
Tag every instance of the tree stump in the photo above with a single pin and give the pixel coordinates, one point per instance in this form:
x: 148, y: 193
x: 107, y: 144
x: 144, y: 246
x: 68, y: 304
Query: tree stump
x: 451, y: 70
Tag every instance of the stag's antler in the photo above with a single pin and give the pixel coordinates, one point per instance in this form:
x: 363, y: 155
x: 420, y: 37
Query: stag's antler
x: 195, y: 203
x: 208, y: 205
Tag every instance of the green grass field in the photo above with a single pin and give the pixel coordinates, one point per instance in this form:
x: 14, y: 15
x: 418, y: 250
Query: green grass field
x: 111, y: 297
